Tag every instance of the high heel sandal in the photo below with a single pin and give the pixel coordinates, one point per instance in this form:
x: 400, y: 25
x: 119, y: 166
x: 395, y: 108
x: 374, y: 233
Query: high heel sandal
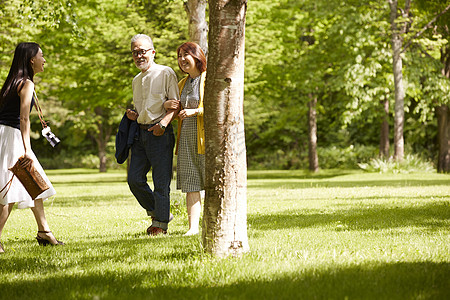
x: 45, y: 242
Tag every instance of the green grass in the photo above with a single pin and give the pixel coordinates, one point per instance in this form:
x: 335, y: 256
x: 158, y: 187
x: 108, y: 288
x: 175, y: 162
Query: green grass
x: 332, y: 235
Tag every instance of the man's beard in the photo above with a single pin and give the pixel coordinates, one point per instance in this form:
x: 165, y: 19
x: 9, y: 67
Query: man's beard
x: 144, y: 65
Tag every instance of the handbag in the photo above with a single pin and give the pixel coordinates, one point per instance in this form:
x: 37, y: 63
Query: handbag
x: 32, y: 181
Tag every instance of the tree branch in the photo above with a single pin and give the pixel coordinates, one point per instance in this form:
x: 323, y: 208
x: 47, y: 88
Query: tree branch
x: 424, y: 51
x: 425, y: 28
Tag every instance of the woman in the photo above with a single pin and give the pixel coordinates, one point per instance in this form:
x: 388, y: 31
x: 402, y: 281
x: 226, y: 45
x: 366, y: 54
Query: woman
x: 191, y: 132
x: 16, y: 101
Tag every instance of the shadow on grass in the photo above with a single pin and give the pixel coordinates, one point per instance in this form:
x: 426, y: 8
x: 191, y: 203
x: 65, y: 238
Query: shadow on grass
x: 348, y: 183
x: 59, y: 172
x: 94, y: 250
x: 86, y: 201
x: 97, y: 181
x: 297, y: 174
x: 95, y: 268
x: 432, y: 216
x: 407, y: 280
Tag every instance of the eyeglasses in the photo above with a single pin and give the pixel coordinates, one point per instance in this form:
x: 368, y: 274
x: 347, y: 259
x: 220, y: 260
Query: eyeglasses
x: 136, y: 53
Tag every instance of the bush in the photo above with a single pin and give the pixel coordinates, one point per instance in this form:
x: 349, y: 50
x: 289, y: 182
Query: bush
x: 89, y: 161
x: 411, y: 163
x: 345, y: 158
x: 329, y: 158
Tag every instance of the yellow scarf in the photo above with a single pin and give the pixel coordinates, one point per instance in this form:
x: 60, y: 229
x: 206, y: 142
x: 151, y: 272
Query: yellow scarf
x: 200, y: 123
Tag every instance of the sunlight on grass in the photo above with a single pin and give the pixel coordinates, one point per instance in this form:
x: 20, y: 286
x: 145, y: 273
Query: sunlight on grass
x: 328, y: 236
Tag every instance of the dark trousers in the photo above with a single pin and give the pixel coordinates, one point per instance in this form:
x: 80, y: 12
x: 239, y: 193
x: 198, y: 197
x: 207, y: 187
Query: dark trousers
x: 156, y: 153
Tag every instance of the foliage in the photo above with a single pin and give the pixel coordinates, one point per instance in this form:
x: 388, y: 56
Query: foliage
x: 338, y: 52
x: 87, y: 83
x: 331, y: 157
x: 346, y: 158
x: 329, y: 235
x: 73, y: 160
x: 410, y: 164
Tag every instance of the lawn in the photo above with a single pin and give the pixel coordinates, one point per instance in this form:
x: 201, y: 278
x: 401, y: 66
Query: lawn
x: 334, y: 235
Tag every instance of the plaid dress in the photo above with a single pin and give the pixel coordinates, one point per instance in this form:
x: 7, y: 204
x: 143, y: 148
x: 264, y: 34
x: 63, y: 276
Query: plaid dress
x: 190, y: 164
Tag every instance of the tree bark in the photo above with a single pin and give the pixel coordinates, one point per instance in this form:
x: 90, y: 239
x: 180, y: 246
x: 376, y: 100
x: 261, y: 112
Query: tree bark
x: 397, y: 43
x: 225, y: 214
x: 312, y: 133
x: 384, y: 132
x: 102, y: 137
x: 198, y: 28
x: 102, y: 155
x: 443, y: 115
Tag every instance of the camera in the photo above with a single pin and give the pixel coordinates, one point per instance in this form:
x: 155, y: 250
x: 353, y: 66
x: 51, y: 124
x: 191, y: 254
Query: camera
x: 50, y: 136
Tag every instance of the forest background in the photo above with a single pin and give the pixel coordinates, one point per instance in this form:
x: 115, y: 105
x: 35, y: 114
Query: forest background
x: 330, y: 60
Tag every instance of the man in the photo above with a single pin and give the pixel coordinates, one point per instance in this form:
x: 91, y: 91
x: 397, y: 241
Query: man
x: 154, y: 148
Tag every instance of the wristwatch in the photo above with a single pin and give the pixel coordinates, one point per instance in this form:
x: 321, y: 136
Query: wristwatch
x: 162, y: 126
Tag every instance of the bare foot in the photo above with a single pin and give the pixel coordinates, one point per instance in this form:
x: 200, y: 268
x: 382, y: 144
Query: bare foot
x: 192, y: 231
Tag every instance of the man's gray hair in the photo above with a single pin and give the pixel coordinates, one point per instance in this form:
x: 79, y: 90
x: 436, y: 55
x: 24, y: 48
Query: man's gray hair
x: 141, y: 36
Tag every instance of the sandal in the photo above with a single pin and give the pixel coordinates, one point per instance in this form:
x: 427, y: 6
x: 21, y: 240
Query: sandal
x: 44, y: 242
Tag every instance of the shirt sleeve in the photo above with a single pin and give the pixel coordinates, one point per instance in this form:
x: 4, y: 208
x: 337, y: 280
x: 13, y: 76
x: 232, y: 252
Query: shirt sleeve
x: 172, y: 86
x: 133, y: 84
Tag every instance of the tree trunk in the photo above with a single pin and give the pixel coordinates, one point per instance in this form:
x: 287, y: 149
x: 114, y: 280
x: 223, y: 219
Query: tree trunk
x: 312, y: 132
x: 443, y: 115
x: 384, y: 132
x: 397, y: 43
x: 225, y: 214
x: 102, y: 138
x: 198, y: 28
x: 102, y: 155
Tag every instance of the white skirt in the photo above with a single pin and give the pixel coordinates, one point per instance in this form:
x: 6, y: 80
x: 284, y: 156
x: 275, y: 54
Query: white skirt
x: 11, y: 148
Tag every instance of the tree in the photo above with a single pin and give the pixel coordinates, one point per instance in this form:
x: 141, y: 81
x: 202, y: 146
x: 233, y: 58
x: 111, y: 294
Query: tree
x: 443, y: 115
x: 224, y: 220
x: 398, y: 29
x: 198, y: 28
x: 440, y: 26
x: 312, y: 130
x: 442, y: 106
x: 400, y: 25
x: 96, y: 78
x: 95, y: 69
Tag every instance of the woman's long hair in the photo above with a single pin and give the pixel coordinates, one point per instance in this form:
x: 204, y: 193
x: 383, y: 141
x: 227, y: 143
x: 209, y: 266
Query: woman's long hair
x: 20, y: 71
x: 196, y: 52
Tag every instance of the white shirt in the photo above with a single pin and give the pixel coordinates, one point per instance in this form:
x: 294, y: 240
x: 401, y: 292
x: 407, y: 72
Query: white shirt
x: 151, y: 89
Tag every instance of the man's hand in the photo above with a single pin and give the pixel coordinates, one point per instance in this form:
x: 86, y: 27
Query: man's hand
x: 132, y: 115
x: 157, y: 130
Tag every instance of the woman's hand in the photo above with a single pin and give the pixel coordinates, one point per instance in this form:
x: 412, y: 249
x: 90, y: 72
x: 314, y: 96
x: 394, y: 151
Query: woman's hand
x: 132, y: 115
x: 189, y: 112
x: 25, y: 161
x: 172, y: 104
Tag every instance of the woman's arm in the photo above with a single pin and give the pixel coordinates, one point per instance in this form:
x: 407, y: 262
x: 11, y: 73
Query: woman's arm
x: 26, y: 94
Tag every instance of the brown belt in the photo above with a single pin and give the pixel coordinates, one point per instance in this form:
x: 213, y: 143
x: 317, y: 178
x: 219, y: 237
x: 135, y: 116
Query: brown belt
x: 147, y: 126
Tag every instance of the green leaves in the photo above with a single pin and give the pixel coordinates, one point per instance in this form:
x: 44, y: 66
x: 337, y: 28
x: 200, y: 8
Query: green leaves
x: 87, y: 47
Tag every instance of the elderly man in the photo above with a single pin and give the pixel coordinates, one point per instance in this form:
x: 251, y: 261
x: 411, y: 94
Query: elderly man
x: 154, y: 148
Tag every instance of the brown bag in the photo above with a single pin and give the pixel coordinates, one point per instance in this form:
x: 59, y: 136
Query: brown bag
x: 29, y: 177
